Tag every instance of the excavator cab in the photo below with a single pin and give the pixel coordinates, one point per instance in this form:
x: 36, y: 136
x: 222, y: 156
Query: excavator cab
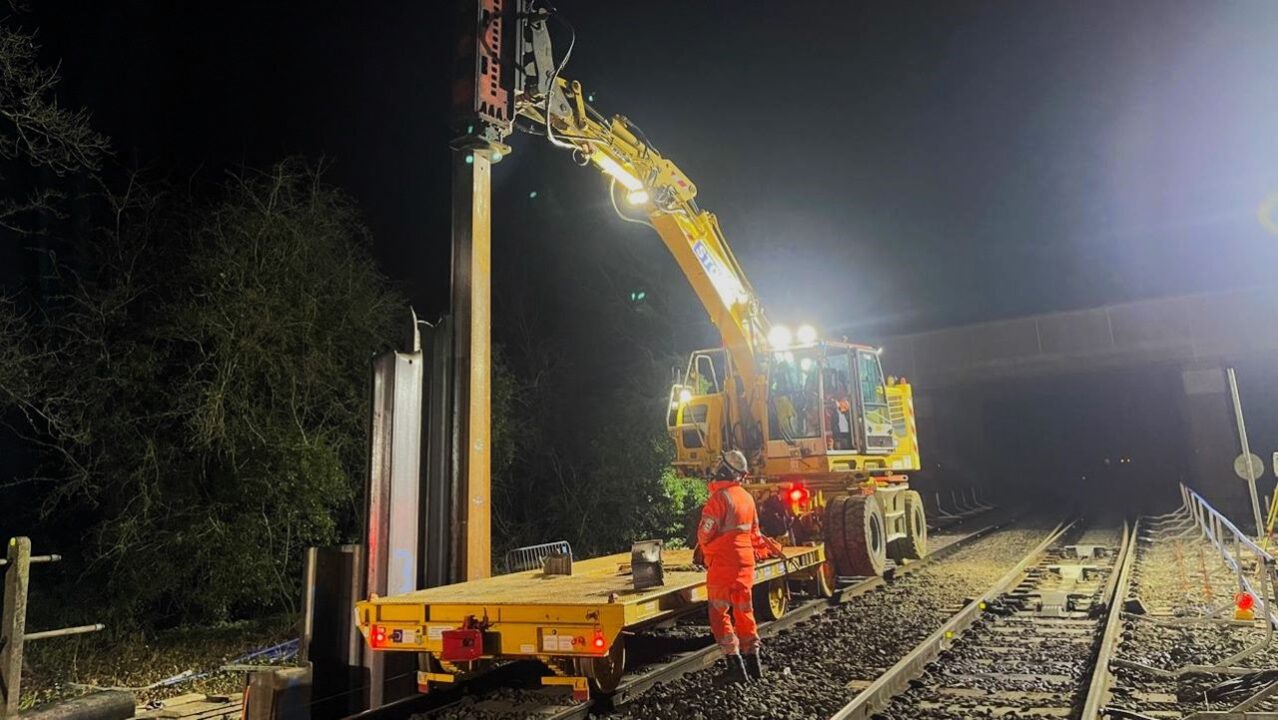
x: 830, y: 410
x: 828, y: 397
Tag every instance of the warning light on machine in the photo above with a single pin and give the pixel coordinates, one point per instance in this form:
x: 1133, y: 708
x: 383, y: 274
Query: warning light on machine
x: 378, y: 635
x: 599, y: 640
x: 798, y: 495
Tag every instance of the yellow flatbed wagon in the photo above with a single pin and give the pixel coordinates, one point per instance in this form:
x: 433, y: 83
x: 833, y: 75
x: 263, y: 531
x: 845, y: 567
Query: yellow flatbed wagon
x: 572, y: 623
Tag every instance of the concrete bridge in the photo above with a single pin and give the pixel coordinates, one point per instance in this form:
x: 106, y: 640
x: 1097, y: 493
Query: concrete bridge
x: 1122, y: 400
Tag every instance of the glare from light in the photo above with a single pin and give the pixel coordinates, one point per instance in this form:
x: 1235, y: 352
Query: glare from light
x: 685, y: 396
x: 1267, y: 213
x: 614, y: 168
x: 779, y: 337
x: 637, y: 197
x: 806, y: 334
x: 806, y: 364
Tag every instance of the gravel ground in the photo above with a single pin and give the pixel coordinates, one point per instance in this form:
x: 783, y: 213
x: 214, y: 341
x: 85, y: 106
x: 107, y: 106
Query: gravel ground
x: 504, y: 704
x: 810, y: 665
x: 1013, y: 663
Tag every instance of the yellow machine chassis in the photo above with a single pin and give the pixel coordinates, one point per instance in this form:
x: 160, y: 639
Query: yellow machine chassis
x: 555, y: 618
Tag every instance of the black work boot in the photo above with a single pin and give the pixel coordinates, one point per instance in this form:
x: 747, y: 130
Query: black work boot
x: 736, y: 670
x: 753, y: 666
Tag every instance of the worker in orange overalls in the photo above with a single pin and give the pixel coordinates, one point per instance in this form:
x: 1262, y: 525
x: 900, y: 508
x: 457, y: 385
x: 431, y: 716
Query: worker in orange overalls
x: 725, y: 535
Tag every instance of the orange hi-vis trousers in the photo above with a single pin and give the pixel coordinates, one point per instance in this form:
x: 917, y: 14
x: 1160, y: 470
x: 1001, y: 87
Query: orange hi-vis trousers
x: 738, y: 633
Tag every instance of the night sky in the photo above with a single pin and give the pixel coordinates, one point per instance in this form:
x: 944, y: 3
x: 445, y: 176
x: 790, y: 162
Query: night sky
x: 876, y: 167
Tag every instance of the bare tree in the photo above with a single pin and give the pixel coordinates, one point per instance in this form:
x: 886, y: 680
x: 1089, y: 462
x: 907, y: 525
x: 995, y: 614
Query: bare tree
x: 37, y: 132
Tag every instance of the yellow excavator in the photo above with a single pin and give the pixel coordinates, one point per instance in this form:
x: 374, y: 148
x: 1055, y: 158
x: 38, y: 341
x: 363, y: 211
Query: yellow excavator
x: 829, y: 439
x: 828, y: 436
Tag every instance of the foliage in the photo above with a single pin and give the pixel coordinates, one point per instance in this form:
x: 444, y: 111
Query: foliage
x: 202, y: 398
x: 584, y: 462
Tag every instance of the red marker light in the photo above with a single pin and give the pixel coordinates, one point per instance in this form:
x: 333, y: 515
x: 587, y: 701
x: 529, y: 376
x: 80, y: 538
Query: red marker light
x: 599, y: 640
x: 377, y: 635
x: 798, y: 495
x: 1245, y: 601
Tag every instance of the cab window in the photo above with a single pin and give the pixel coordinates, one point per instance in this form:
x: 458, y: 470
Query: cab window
x: 873, y: 394
x: 794, y: 397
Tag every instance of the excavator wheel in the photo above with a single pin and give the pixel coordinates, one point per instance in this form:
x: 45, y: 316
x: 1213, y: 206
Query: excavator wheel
x: 914, y: 545
x: 832, y: 527
x: 855, y: 535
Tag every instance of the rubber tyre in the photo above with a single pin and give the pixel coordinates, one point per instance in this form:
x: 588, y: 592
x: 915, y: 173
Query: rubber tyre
x: 855, y: 536
x: 914, y: 545
x: 832, y: 530
x: 771, y: 599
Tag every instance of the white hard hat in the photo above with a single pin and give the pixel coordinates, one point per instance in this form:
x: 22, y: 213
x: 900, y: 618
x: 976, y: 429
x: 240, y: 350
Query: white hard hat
x: 736, y: 460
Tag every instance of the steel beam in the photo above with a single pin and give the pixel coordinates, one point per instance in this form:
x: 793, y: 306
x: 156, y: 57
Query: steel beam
x: 437, y: 461
x: 472, y: 362
x: 393, y: 535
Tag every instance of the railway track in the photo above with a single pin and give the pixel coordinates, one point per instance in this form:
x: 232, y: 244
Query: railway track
x: 1186, y: 648
x: 1002, y: 621
x: 1025, y: 648
x: 661, y: 669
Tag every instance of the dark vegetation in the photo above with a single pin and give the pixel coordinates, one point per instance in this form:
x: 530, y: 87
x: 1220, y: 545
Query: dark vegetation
x: 183, y: 380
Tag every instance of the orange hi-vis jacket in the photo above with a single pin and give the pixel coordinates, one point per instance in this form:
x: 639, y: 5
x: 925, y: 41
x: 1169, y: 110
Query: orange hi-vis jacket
x: 728, y: 525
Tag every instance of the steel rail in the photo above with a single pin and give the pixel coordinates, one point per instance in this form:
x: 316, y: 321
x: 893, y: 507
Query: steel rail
x: 1116, y: 595
x: 897, y: 678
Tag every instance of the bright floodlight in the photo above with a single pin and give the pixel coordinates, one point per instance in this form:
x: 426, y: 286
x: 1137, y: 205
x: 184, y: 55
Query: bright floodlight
x: 685, y: 396
x: 637, y: 197
x: 779, y: 337
x: 806, y: 334
x: 614, y: 168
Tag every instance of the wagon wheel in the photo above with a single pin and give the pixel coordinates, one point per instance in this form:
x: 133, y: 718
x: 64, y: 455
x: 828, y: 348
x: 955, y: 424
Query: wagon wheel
x: 772, y: 599
x: 605, y: 671
x: 823, y: 581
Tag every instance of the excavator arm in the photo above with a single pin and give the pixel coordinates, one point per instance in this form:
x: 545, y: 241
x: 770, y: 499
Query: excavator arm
x: 652, y: 185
